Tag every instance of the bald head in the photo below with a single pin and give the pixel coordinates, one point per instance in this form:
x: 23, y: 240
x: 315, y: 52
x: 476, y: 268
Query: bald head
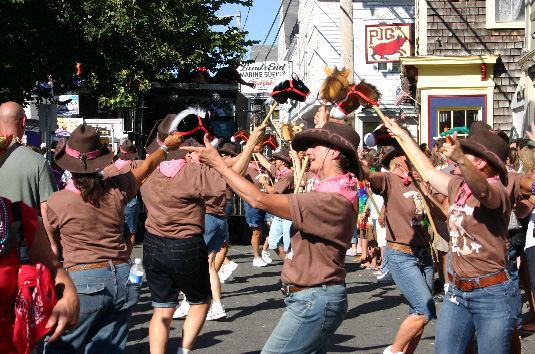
x: 12, y: 119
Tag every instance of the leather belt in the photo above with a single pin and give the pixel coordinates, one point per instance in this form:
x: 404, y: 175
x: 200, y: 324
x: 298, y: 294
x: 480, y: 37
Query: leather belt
x: 471, y: 284
x: 288, y: 289
x: 422, y: 251
x: 93, y: 266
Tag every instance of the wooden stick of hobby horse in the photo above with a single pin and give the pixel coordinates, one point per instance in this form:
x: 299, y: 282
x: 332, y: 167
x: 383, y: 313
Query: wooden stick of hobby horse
x: 258, y: 166
x: 369, y: 193
x: 270, y: 112
x: 428, y: 212
x: 301, y: 174
x: 409, y: 156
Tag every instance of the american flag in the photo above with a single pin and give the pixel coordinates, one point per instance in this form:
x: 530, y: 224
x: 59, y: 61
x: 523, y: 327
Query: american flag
x: 402, y: 115
x: 400, y: 96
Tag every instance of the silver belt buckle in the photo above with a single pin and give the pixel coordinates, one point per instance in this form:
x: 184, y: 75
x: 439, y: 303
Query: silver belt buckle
x: 285, y: 289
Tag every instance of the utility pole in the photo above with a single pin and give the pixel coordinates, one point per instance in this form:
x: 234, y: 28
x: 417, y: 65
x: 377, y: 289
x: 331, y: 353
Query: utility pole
x: 346, y: 25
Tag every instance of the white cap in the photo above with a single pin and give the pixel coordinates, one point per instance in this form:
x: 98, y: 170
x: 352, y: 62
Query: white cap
x: 137, y: 261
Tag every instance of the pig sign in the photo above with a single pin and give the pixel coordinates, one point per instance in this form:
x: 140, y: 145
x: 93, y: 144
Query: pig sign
x: 387, y: 43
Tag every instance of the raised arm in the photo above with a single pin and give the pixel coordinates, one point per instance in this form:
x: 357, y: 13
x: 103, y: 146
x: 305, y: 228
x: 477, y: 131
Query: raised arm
x: 153, y: 160
x: 276, y: 204
x: 437, y: 179
x: 240, y: 166
x: 263, y: 161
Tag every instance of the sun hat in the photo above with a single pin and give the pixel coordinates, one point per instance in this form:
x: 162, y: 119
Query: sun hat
x: 282, y: 154
x: 127, y: 150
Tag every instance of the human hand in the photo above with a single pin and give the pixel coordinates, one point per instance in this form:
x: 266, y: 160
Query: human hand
x: 531, y: 135
x: 173, y: 141
x: 321, y: 116
x: 65, y: 315
x: 262, y: 179
x: 381, y: 220
x: 207, y: 154
x: 452, y: 149
x: 257, y: 133
x: 293, y: 155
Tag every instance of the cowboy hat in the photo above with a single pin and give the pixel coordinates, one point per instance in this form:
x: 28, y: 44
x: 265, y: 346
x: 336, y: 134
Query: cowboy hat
x: 127, y: 151
x: 282, y: 154
x: 339, y: 135
x: 229, y: 149
x: 83, y: 152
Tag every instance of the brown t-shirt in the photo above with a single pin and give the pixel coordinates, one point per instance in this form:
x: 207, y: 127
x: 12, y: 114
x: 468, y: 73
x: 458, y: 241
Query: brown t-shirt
x: 112, y: 170
x: 283, y: 185
x: 216, y: 203
x: 252, y: 176
x: 477, y: 234
x: 90, y: 234
x: 176, y: 205
x: 513, y: 186
x: 404, y: 212
x: 323, y: 224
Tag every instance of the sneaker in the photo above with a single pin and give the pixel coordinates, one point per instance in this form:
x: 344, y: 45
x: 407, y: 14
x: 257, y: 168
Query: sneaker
x: 232, y: 266
x: 223, y: 276
x: 351, y: 252
x: 385, y: 278
x: 182, y: 310
x: 217, y: 311
x: 388, y: 351
x: 259, y: 262
x: 266, y: 257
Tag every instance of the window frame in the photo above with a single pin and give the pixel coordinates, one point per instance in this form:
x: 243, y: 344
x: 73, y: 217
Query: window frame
x: 452, y: 109
x: 490, y: 17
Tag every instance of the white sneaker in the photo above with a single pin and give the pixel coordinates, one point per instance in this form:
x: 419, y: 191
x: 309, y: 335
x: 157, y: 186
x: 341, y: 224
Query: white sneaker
x: 182, y: 310
x: 217, y: 311
x: 388, y: 351
x: 224, y: 274
x: 266, y: 257
x: 259, y: 262
x: 232, y: 266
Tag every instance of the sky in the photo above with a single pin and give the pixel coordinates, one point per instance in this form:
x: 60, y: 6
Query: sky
x: 257, y: 20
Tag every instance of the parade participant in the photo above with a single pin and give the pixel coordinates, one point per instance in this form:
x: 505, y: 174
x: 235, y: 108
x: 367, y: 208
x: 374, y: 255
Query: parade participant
x: 407, y: 253
x: 280, y: 170
x: 126, y: 160
x: 174, y: 251
x: 225, y: 266
x: 323, y: 222
x: 481, y: 297
x: 87, y: 218
x: 256, y: 218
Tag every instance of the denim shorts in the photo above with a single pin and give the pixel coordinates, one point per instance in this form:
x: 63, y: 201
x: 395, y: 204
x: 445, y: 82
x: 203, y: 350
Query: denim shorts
x: 106, y: 302
x: 254, y: 217
x: 215, y: 232
x: 131, y: 215
x: 175, y: 265
x: 414, y: 277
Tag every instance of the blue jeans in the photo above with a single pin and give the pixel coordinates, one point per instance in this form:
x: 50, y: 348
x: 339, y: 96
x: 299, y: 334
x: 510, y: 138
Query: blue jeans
x: 414, y: 277
x: 106, y: 301
x: 280, y: 230
x: 131, y: 215
x: 254, y: 217
x: 215, y: 232
x: 490, y: 312
x: 311, y: 318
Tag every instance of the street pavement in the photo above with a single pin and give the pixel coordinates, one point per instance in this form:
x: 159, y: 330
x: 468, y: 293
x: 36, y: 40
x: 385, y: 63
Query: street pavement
x: 254, y: 305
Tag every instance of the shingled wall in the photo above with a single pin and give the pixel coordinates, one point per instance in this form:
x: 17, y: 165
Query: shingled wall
x: 460, y: 25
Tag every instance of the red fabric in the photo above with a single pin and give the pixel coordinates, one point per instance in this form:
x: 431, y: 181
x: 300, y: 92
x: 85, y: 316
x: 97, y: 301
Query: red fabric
x: 35, y: 300
x: 8, y: 279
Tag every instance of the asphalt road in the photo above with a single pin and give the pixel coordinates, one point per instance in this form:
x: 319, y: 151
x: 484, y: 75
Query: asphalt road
x: 254, y: 305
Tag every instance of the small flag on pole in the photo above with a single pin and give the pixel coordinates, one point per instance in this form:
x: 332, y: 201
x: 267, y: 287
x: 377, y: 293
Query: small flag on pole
x: 402, y: 115
x: 400, y: 96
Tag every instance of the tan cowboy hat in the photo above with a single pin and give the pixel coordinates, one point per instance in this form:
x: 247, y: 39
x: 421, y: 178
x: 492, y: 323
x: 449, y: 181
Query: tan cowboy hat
x: 83, y: 152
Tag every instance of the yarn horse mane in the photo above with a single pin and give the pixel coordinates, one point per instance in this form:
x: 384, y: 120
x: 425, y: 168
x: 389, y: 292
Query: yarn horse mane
x: 240, y: 136
x: 269, y: 140
x: 356, y: 97
x: 293, y: 89
x: 335, y: 86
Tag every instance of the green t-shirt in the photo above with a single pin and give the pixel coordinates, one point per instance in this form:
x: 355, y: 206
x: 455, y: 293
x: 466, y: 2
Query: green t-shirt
x: 27, y: 176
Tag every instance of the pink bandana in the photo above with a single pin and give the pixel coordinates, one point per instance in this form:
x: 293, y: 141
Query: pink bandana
x: 345, y: 185
x: 120, y: 163
x: 253, y: 166
x: 284, y: 171
x: 404, y: 175
x: 71, y: 187
x: 468, y: 192
x: 170, y: 168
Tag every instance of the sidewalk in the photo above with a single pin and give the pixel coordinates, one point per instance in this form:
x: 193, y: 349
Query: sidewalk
x: 254, y: 305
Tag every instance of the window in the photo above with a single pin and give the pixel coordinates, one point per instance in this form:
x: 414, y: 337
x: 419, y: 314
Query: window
x: 449, y: 118
x: 390, y: 66
x: 505, y: 14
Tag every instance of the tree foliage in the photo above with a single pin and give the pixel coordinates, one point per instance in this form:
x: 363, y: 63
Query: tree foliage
x: 122, y: 45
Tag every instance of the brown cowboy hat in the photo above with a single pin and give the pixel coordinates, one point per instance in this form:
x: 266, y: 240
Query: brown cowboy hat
x: 127, y: 151
x: 83, y: 152
x: 157, y: 136
x: 229, y: 149
x: 394, y: 151
x: 282, y: 154
x: 340, y: 135
x: 484, y: 142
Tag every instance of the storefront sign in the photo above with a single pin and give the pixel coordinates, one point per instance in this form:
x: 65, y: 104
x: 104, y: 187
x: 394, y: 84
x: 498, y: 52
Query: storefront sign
x: 387, y: 43
x: 264, y: 75
x: 68, y: 105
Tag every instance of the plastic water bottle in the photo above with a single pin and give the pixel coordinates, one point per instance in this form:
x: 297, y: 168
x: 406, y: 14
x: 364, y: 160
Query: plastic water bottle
x: 136, y: 272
